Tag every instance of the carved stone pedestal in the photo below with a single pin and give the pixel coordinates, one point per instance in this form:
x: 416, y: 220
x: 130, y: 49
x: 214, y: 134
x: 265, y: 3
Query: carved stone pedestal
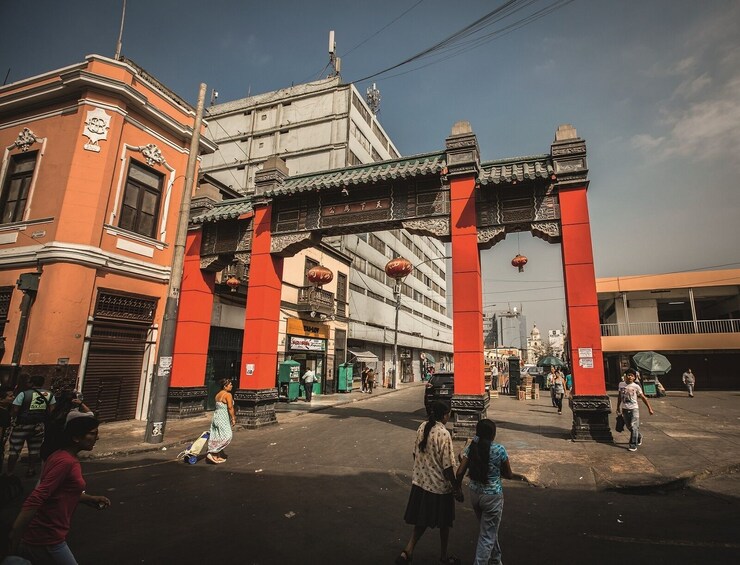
x: 186, y: 402
x: 591, y: 418
x: 255, y: 408
x: 468, y: 410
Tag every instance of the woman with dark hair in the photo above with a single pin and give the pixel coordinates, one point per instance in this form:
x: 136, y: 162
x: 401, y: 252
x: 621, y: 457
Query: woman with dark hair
x: 433, y: 486
x: 40, y: 530
x: 223, y: 419
x: 486, y: 463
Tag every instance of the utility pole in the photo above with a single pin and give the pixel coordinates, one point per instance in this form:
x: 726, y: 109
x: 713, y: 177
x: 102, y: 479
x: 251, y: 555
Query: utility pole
x: 397, y: 292
x: 161, y: 382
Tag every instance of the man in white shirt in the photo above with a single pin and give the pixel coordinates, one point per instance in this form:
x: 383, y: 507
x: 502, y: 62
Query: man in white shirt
x: 309, y: 377
x: 630, y: 410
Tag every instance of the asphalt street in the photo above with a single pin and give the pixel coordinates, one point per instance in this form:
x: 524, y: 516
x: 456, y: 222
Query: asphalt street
x: 331, y: 487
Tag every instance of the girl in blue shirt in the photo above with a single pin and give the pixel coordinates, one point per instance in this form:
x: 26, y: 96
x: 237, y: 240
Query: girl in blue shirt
x: 486, y: 463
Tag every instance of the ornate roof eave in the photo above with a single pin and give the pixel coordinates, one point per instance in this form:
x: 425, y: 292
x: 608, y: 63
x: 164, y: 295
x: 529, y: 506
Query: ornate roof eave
x: 516, y: 169
x: 226, y: 210
x: 416, y: 165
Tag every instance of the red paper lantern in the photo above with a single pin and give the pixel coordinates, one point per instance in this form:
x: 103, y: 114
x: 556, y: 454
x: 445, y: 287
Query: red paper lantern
x: 232, y: 282
x: 519, y: 261
x: 319, y: 275
x: 398, y: 268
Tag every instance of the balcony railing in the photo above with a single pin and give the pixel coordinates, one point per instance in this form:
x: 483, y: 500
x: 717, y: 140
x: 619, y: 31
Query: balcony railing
x: 312, y: 299
x: 671, y: 328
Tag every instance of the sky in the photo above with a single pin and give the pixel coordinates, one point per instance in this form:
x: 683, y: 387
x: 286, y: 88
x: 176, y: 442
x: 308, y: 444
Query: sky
x: 653, y: 86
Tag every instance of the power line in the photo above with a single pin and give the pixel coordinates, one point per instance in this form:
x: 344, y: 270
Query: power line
x: 452, y: 42
x: 361, y: 43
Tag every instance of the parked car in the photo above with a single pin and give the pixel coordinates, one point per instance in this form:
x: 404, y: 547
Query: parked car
x: 441, y: 387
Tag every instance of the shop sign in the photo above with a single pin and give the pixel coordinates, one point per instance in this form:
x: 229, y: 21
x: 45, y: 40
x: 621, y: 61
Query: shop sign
x: 307, y: 344
x: 305, y: 328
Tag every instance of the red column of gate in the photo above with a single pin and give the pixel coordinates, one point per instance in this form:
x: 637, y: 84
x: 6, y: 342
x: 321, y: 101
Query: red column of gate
x: 584, y: 330
x: 193, y: 318
x: 259, y: 352
x: 467, y: 299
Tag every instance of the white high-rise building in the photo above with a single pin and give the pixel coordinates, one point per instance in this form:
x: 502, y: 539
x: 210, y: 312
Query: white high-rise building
x: 326, y: 125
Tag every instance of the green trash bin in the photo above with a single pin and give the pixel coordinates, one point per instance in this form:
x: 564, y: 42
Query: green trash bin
x: 289, y: 380
x: 345, y: 377
x: 649, y: 386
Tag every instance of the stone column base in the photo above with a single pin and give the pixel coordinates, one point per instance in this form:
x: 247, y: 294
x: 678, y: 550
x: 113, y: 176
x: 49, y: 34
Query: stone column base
x: 468, y: 410
x: 591, y: 418
x: 186, y: 402
x: 255, y: 408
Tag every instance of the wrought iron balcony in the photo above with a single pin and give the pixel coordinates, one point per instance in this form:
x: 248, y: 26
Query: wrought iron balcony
x: 671, y: 328
x: 312, y: 299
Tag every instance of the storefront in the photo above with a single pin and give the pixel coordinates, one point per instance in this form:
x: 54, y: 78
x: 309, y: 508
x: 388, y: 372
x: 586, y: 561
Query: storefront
x: 306, y: 343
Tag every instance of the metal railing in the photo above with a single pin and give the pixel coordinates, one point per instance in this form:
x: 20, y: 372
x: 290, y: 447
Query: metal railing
x: 671, y: 328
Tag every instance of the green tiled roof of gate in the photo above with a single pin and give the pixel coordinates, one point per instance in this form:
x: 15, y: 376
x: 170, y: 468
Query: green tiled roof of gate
x: 516, y: 169
x: 416, y: 165
x: 227, y: 210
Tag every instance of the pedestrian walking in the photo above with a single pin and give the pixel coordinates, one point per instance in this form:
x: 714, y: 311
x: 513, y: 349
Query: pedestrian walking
x: 494, y: 377
x: 370, y: 380
x: 629, y: 408
x: 31, y: 409
x: 68, y: 402
x: 363, y: 378
x: 550, y: 380
x: 6, y: 400
x: 568, y: 381
x: 309, y: 377
x: 40, y: 531
x: 486, y: 463
x: 434, y: 486
x: 223, y: 420
x: 558, y: 390
x: 689, y: 380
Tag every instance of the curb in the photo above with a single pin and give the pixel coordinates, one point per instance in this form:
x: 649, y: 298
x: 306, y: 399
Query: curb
x: 684, y: 480
x: 145, y: 448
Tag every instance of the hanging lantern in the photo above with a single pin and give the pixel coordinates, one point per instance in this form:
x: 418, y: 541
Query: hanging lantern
x: 519, y: 261
x: 319, y: 275
x: 398, y: 268
x: 233, y: 283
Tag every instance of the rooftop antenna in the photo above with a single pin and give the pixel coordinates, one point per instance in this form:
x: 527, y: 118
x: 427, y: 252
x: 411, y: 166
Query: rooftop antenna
x: 119, y: 44
x: 334, y: 61
x: 372, y: 96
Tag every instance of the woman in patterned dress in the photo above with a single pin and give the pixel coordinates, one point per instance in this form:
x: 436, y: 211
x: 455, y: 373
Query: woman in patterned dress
x: 223, y: 420
x: 433, y: 485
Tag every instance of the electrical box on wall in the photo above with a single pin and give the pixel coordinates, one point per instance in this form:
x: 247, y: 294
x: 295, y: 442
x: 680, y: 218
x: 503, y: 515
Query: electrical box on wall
x: 28, y: 281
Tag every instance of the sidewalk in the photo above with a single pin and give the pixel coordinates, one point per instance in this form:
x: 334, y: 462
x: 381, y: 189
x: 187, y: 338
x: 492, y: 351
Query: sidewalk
x: 126, y: 438
x: 686, y: 439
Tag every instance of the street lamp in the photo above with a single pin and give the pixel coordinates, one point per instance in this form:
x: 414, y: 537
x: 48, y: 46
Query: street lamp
x: 398, y: 269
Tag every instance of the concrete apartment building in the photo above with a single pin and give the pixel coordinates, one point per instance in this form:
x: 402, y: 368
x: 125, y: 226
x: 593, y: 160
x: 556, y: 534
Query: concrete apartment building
x: 320, y: 126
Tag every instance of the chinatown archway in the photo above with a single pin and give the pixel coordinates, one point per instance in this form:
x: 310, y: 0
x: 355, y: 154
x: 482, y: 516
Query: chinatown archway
x: 449, y: 195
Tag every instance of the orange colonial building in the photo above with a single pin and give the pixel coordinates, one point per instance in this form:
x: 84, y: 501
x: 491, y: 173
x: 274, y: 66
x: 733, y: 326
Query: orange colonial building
x: 92, y: 176
x: 693, y: 318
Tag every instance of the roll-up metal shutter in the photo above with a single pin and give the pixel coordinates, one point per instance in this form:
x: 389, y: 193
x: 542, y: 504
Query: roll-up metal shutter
x: 113, y: 370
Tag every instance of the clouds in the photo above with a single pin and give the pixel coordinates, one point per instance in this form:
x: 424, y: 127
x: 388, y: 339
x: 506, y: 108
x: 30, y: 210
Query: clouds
x: 700, y: 119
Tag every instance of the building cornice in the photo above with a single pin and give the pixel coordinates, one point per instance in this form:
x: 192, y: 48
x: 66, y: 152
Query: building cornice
x: 75, y: 79
x: 84, y: 255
